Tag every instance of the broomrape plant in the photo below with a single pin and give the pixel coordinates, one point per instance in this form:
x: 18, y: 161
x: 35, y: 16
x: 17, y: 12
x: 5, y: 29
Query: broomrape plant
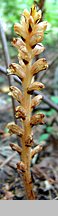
x: 30, y: 34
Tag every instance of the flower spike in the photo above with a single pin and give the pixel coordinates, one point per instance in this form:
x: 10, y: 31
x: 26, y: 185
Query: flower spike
x: 30, y: 33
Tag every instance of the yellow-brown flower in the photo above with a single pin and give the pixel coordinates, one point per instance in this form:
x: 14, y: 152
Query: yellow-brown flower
x: 28, y: 43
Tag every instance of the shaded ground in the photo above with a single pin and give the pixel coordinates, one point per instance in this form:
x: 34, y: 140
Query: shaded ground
x: 44, y: 167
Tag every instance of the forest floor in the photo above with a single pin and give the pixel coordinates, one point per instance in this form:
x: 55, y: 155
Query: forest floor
x: 44, y: 167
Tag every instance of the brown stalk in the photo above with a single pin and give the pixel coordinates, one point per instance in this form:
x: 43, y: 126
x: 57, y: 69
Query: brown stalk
x: 30, y: 33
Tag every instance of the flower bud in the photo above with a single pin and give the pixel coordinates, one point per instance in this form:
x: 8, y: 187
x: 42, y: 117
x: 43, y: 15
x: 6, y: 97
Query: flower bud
x: 36, y: 101
x: 16, y: 69
x: 20, y: 30
x: 15, y: 129
x: 35, y: 86
x: 21, y: 166
x: 37, y: 118
x: 16, y: 93
x: 20, y: 112
x: 15, y: 147
x: 39, y: 48
x: 39, y: 65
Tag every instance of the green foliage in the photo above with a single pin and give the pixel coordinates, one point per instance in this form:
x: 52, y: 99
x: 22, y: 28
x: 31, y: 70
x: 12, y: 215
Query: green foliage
x: 54, y: 99
x: 51, y: 15
x: 11, y: 10
x: 43, y: 137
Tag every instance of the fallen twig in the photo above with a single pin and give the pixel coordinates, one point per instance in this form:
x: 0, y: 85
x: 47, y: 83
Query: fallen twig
x: 8, y: 160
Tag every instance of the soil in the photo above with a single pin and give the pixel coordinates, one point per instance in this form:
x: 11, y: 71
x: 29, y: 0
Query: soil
x: 44, y: 166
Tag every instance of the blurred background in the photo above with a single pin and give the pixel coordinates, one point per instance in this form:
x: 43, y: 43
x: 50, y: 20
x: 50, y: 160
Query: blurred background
x: 10, y: 13
x: 46, y: 135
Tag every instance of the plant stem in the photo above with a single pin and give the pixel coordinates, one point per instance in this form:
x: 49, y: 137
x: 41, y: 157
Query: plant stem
x: 26, y: 150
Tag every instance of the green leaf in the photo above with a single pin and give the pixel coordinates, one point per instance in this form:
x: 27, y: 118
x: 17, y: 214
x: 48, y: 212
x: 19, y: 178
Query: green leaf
x: 43, y: 137
x: 49, y: 130
x: 54, y: 99
x: 51, y: 112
